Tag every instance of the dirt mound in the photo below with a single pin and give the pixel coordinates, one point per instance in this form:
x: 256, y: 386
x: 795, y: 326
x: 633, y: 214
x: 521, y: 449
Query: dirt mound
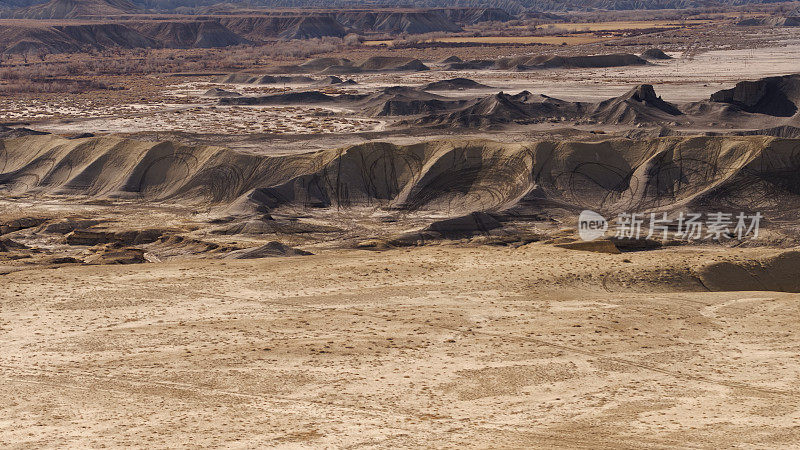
x: 477, y: 222
x: 100, y: 236
x: 65, y: 226
x: 72, y: 9
x: 116, y: 254
x: 523, y: 63
x: 655, y: 53
x: 598, y: 246
x: 404, y: 101
x: 329, y: 81
x: 390, y: 101
x: 190, y: 34
x: 451, y: 59
x: 461, y: 227
x: 501, y: 109
x: 475, y: 64
x: 288, y: 98
x: 317, y: 64
x: 220, y: 93
x: 11, y: 225
x: 340, y: 70
x: 248, y: 78
x: 746, y: 106
x: 11, y: 132
x: 774, y: 273
x: 340, y: 66
x: 454, y: 84
x: 393, y: 63
x: 569, y: 62
x: 639, y: 105
x: 325, y: 66
x: 269, y: 250
x: 774, y: 96
x: 7, y: 245
x: 497, y: 109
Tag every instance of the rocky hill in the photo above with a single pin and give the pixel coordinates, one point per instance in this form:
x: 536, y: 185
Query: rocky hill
x: 471, y: 16
x: 789, y: 21
x: 71, y: 9
x: 71, y: 38
x: 296, y: 26
x: 189, y: 34
x: 774, y: 96
x: 401, y: 21
x: 639, y: 105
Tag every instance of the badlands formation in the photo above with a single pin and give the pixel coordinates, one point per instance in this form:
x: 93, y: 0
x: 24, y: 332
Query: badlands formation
x: 382, y: 245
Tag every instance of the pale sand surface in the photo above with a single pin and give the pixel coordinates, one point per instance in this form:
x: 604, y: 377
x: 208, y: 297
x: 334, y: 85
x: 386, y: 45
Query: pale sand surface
x: 438, y: 346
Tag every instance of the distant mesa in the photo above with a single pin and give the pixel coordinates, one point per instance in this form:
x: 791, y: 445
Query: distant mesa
x: 296, y: 26
x: 222, y: 30
x: 398, y: 21
x: 472, y: 16
x: 76, y: 9
x: 189, y: 34
x: 72, y: 38
x: 789, y: 21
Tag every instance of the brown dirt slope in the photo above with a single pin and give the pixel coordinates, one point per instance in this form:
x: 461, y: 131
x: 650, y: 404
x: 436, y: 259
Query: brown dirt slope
x: 190, y: 34
x: 72, y: 9
x: 71, y: 38
x: 742, y: 173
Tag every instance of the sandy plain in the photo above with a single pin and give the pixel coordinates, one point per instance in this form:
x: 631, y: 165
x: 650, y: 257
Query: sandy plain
x: 442, y: 346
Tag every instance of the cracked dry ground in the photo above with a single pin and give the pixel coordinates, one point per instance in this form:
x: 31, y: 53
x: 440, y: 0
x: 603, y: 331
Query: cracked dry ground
x: 434, y: 346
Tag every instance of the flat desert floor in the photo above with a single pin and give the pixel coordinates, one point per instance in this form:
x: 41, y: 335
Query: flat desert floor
x: 435, y: 346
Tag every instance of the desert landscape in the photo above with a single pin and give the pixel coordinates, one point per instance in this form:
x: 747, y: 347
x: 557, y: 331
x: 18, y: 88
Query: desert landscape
x: 522, y: 224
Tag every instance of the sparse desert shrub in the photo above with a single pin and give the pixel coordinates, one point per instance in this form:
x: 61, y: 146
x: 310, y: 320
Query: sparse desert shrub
x: 52, y: 86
